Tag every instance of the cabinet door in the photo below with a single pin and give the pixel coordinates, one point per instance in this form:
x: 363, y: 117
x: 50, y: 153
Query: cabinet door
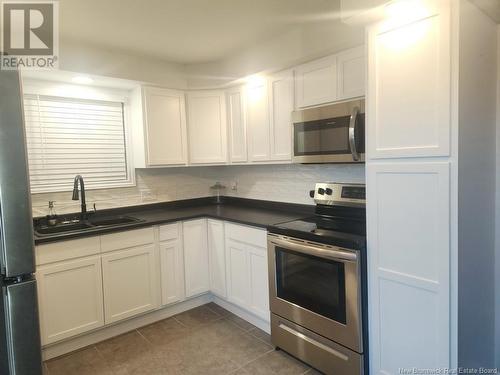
x: 130, y: 282
x: 316, y: 82
x: 236, y: 125
x: 351, y: 73
x: 70, y: 298
x: 196, y: 262
x: 207, y: 127
x: 217, y: 257
x: 165, y: 121
x: 257, y: 113
x: 258, y: 282
x: 237, y: 273
x: 281, y: 104
x: 171, y: 271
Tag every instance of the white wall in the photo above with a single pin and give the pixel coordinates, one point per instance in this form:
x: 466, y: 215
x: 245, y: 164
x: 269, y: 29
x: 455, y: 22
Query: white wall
x: 284, y: 183
x: 476, y: 187
x: 295, y: 46
x: 81, y: 58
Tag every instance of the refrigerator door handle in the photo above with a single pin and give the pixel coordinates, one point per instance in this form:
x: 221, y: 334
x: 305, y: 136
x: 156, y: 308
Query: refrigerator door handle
x: 21, y: 332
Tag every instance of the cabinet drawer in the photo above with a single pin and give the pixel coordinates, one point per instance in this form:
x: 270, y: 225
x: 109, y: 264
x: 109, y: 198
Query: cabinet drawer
x: 123, y: 240
x: 169, y: 232
x: 245, y: 234
x: 58, y: 251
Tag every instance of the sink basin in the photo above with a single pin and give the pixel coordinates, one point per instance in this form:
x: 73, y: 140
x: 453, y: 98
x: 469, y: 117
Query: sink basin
x: 113, y: 220
x: 91, y: 223
x: 62, y: 228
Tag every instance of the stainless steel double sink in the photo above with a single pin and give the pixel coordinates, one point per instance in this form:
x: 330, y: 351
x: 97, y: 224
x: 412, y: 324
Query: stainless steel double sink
x: 69, y: 226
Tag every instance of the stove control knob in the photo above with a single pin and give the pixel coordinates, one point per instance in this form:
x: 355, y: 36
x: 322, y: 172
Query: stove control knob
x: 321, y: 191
x: 311, y: 193
x: 328, y: 191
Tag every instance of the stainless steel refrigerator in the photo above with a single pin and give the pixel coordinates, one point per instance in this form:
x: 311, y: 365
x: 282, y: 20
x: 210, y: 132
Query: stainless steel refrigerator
x: 20, y: 350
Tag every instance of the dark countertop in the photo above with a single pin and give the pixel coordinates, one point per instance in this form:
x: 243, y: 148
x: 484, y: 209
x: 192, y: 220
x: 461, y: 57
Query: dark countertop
x: 253, y: 212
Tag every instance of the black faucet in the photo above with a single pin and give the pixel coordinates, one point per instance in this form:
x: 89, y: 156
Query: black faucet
x: 79, y: 178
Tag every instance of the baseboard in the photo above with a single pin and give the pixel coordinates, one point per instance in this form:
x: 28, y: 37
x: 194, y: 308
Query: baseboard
x: 243, y: 314
x: 104, y: 333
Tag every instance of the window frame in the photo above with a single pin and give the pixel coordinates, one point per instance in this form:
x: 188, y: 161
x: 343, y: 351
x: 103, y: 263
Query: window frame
x: 77, y: 92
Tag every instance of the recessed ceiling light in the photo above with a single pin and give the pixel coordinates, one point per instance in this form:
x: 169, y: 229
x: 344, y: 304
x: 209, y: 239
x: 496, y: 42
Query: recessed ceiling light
x: 82, y: 80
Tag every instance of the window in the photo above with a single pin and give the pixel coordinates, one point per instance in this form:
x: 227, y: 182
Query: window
x: 67, y: 136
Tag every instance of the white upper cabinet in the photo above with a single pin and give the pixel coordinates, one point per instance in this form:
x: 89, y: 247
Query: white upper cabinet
x: 196, y: 260
x: 257, y: 114
x: 164, y: 140
x: 410, y: 101
x: 281, y: 104
x: 351, y: 67
x: 316, y: 82
x: 237, y: 130
x: 207, y: 129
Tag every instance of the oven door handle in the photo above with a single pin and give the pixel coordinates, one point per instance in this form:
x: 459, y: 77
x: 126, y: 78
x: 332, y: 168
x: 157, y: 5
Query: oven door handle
x: 334, y: 253
x: 352, y: 133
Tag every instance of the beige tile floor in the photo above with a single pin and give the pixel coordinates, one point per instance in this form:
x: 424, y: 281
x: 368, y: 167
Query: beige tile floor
x: 206, y: 340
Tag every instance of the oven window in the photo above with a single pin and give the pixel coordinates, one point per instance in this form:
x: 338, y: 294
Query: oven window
x: 322, y: 137
x: 313, y: 283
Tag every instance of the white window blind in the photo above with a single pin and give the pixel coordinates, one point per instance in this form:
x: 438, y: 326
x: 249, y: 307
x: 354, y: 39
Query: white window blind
x: 67, y: 136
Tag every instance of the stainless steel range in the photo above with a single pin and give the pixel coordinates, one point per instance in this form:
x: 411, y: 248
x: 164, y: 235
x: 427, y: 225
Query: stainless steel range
x: 317, y: 282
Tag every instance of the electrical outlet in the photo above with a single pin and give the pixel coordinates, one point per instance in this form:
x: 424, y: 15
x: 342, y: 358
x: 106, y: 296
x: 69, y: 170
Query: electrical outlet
x: 234, y: 185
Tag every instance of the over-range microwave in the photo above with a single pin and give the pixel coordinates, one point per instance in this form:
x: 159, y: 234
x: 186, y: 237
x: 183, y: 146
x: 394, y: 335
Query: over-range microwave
x: 330, y: 134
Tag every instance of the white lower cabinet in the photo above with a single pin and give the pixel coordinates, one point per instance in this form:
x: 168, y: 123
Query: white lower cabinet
x: 70, y: 298
x: 130, y: 282
x: 246, y: 269
x: 196, y: 270
x: 171, y: 264
x: 258, y: 281
x: 217, y: 257
x: 237, y: 273
x: 88, y: 283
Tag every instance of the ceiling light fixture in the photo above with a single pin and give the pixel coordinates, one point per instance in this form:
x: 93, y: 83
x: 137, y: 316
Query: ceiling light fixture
x: 82, y: 80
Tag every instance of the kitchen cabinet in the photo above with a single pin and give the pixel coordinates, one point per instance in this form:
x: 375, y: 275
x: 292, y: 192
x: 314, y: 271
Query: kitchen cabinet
x: 258, y: 281
x: 196, y: 258
x: 269, y: 105
x: 171, y: 264
x: 351, y: 67
x: 159, y: 135
x: 247, y: 270
x: 281, y: 105
x: 237, y: 129
x: 411, y: 184
x: 207, y: 128
x: 237, y: 273
x: 130, y: 282
x: 70, y: 298
x: 217, y: 257
x: 316, y: 82
x: 257, y: 116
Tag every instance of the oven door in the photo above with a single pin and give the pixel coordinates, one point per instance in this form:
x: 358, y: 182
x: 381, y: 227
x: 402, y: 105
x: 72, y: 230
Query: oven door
x: 318, y: 287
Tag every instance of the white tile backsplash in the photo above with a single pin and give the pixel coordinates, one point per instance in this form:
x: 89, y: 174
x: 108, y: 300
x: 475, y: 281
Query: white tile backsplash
x: 284, y: 183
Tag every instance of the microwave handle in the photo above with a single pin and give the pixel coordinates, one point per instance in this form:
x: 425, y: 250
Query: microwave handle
x: 352, y: 133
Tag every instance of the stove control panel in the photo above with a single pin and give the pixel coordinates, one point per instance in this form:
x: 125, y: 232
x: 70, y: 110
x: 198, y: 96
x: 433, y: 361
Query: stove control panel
x: 331, y: 193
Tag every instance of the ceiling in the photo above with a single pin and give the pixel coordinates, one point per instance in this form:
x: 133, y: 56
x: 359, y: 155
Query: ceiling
x: 185, y: 31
